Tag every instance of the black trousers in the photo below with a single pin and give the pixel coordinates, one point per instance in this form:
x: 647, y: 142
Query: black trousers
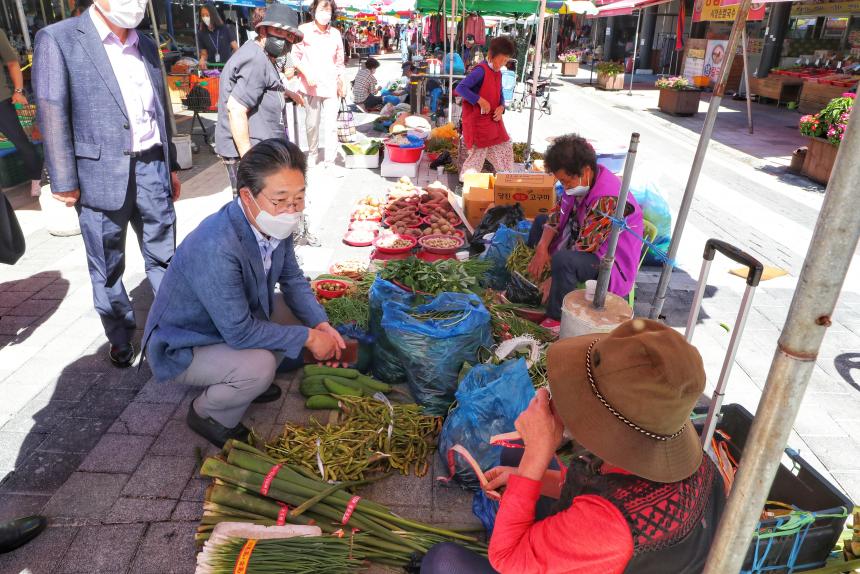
x: 570, y: 268
x: 149, y: 209
x: 11, y: 128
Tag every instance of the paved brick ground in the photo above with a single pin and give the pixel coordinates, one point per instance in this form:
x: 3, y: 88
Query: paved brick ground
x: 105, y: 454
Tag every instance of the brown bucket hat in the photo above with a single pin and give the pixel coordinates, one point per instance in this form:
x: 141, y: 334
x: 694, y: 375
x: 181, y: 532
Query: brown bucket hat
x: 627, y: 396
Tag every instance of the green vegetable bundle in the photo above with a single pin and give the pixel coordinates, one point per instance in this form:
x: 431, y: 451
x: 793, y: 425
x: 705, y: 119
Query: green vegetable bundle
x: 297, y: 555
x: 519, y: 261
x: 241, y: 471
x: 449, y: 275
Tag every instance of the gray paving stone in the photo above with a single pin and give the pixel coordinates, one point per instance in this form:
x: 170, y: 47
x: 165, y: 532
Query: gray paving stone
x: 160, y: 477
x: 86, y: 495
x: 42, y: 555
x: 176, y: 439
x: 129, y: 510
x: 32, y: 284
x: 10, y: 325
x: 40, y: 416
x: 42, y: 472
x: 832, y: 450
x: 77, y: 435
x: 52, y: 292
x: 195, y: 490
x: 399, y: 490
x: 72, y: 386
x: 103, y: 549
x: 143, y: 419
x: 15, y: 446
x: 11, y: 299
x: 18, y: 505
x: 117, y: 453
x: 105, y: 404
x: 155, y: 392
x: 34, y: 308
x: 187, y: 511
x: 167, y: 548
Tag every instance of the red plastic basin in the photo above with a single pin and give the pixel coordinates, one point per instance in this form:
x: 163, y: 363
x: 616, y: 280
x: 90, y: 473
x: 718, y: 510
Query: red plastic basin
x: 403, y: 155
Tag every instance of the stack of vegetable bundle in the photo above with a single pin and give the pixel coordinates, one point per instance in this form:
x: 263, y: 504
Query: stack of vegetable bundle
x: 519, y: 260
x: 252, y: 487
x: 320, y: 384
x: 449, y: 275
x: 370, y: 435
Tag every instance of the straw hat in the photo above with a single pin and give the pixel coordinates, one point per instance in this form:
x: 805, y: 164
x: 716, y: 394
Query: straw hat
x: 627, y: 396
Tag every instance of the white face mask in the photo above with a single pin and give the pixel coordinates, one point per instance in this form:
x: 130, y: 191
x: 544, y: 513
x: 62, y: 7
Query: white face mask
x: 579, y: 190
x: 124, y: 13
x: 323, y: 17
x: 207, y: 20
x: 277, y: 226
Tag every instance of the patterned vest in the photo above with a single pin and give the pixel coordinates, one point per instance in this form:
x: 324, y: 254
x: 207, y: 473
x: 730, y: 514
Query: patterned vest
x: 673, y: 524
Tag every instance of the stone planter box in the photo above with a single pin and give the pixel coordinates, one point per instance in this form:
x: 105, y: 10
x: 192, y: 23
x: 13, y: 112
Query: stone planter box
x: 679, y: 102
x: 820, y: 156
x: 606, y: 82
x: 569, y: 68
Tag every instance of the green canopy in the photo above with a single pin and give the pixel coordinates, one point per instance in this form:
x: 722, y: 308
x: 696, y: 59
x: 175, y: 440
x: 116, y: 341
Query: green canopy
x: 483, y: 7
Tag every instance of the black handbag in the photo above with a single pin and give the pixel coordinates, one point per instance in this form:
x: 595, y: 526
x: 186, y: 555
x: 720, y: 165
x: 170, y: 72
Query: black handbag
x: 11, y: 237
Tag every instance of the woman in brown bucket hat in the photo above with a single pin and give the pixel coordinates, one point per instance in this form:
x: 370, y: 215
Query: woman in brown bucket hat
x: 645, y: 500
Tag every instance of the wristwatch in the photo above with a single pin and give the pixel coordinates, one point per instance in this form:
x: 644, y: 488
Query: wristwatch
x: 19, y: 90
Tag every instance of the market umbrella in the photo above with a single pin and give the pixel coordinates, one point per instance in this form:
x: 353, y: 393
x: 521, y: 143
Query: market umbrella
x: 578, y: 7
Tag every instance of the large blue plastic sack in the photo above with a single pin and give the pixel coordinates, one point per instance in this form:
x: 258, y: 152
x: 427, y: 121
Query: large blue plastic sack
x: 386, y: 365
x: 655, y: 209
x: 485, y: 510
x: 503, y: 243
x: 432, y: 351
x: 489, y: 400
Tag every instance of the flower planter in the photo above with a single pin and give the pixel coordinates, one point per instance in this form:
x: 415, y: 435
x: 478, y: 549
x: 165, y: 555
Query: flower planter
x: 614, y: 82
x: 820, y: 156
x: 569, y: 68
x: 679, y: 102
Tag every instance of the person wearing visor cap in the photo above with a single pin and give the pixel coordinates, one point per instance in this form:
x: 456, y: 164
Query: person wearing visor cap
x: 252, y: 97
x: 642, y: 499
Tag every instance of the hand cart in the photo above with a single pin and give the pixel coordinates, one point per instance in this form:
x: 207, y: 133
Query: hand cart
x: 753, y: 278
x: 198, y: 95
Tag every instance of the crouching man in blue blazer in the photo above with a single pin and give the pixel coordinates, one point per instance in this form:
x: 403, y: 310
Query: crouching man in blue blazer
x: 217, y: 321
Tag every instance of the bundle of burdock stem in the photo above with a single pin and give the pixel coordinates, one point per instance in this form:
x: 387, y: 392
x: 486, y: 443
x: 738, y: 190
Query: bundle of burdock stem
x: 252, y: 487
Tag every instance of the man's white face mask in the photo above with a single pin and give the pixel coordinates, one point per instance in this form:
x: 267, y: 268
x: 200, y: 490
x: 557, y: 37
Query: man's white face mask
x: 126, y: 14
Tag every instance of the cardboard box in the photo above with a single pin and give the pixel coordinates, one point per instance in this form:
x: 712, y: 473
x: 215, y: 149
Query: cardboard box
x: 477, y: 196
x: 534, y: 192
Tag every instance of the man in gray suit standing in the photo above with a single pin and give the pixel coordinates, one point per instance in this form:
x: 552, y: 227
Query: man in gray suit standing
x: 100, y: 100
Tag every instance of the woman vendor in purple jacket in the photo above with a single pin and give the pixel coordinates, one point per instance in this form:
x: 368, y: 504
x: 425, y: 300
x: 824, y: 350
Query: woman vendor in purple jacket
x: 573, y: 240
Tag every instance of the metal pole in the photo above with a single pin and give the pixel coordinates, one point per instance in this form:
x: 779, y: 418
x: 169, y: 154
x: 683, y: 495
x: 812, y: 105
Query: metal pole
x: 699, y: 158
x: 196, y: 38
x: 451, y: 63
x: 609, y: 259
x: 526, y: 57
x: 22, y: 20
x: 168, y: 104
x: 747, y: 77
x: 536, y: 77
x: 830, y: 251
x: 635, y: 49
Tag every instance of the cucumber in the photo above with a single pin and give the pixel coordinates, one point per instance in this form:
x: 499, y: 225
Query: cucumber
x: 372, y: 383
x: 314, y: 378
x: 311, y: 370
x: 336, y: 388
x: 312, y: 388
x: 321, y: 402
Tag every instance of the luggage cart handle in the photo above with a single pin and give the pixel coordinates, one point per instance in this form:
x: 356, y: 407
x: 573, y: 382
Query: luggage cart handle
x: 755, y: 267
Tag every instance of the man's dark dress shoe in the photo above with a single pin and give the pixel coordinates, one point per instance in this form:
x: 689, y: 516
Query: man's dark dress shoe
x: 213, y: 431
x: 18, y: 532
x: 270, y: 395
x: 122, y: 356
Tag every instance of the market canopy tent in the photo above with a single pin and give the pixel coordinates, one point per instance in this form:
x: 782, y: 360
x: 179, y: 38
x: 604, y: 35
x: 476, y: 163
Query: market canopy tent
x: 484, y: 7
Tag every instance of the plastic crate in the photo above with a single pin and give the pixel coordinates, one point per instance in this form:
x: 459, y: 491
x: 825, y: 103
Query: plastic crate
x: 800, y: 486
x: 12, y: 171
x: 212, y: 85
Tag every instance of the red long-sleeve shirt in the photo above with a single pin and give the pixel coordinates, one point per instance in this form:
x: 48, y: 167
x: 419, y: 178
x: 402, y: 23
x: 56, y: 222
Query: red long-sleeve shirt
x: 589, y: 536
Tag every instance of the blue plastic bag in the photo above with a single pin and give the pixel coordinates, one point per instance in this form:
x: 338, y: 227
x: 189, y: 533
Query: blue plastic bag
x: 386, y: 365
x: 503, y: 243
x: 489, y: 400
x: 485, y: 510
x: 431, y: 352
x: 655, y: 209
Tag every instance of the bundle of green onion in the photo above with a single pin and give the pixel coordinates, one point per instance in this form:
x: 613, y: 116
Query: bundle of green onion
x: 297, y: 555
x: 252, y: 487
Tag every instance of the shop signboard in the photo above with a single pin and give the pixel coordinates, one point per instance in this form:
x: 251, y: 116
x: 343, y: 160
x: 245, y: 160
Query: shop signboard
x: 715, y: 57
x: 694, y: 63
x: 725, y: 11
x: 816, y: 8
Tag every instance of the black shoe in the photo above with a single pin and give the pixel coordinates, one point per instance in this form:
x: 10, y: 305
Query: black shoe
x: 270, y: 395
x: 18, y: 532
x: 122, y: 356
x: 213, y: 431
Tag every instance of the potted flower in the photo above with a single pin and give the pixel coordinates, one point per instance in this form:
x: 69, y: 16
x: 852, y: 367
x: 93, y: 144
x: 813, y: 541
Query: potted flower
x: 569, y: 64
x: 677, y: 96
x: 610, y: 76
x: 825, y: 131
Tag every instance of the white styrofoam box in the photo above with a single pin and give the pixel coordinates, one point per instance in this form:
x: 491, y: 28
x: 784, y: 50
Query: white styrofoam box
x: 361, y: 161
x: 391, y: 169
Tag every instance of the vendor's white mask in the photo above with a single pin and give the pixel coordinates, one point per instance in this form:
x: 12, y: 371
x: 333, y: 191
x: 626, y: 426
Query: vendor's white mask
x: 579, y: 190
x: 126, y: 14
x: 207, y: 21
x: 323, y: 17
x: 277, y: 226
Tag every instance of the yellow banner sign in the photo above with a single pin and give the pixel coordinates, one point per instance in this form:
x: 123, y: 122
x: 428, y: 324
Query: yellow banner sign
x: 724, y: 11
x: 825, y: 8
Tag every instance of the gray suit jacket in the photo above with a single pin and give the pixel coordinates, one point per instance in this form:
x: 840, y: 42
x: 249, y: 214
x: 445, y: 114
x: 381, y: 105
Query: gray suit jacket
x: 81, y: 113
x: 215, y: 291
